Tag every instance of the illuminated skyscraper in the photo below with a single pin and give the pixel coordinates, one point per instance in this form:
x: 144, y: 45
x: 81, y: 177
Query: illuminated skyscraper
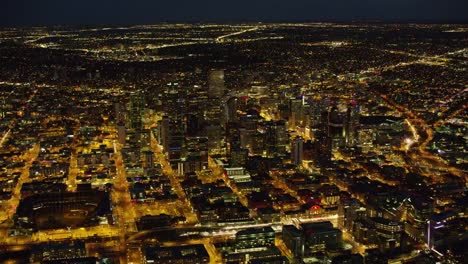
x: 136, y: 109
x: 335, y: 122
x: 352, y: 124
x: 296, y: 112
x: 323, y: 145
x: 119, y: 112
x: 121, y: 130
x: 216, y: 87
x: 297, y: 150
x: 148, y: 161
x: 231, y: 109
x: 164, y: 132
x: 238, y: 157
x: 276, y: 138
x: 336, y: 128
x: 174, y: 101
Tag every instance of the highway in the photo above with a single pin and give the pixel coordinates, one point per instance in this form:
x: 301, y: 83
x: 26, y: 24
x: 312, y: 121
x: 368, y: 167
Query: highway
x: 221, y: 38
x: 210, y: 231
x: 420, y: 156
x: 4, y: 138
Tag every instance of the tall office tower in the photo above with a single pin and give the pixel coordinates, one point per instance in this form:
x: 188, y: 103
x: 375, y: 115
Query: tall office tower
x: 197, y: 99
x: 136, y: 109
x: 335, y: 122
x: 297, y: 150
x: 238, y: 157
x: 145, y: 138
x: 231, y: 109
x: 295, y: 115
x: 216, y: 87
x: 232, y: 135
x: 316, y: 108
x: 214, y: 132
x: 121, y: 131
x: 175, y: 101
x: 214, y: 112
x: 335, y: 128
x: 176, y: 143
x: 276, y: 138
x: 352, y: 124
x: 148, y: 156
x: 172, y: 138
x: 164, y: 133
x: 192, y: 124
x: 119, y: 112
x: 323, y: 146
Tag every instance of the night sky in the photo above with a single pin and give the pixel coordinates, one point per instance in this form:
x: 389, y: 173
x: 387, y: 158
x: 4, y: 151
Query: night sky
x: 49, y: 12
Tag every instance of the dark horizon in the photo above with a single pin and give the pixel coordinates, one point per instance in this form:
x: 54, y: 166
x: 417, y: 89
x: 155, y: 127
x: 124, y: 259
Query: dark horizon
x: 292, y: 21
x: 26, y: 13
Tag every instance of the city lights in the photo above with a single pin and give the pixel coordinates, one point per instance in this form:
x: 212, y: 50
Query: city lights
x: 233, y: 143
